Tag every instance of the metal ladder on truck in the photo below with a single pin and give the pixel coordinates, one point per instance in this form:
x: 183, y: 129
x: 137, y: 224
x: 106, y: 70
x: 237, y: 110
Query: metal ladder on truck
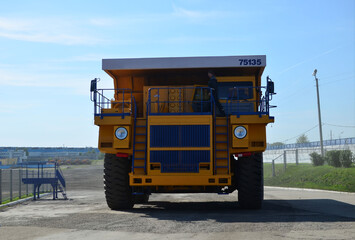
x: 221, y: 141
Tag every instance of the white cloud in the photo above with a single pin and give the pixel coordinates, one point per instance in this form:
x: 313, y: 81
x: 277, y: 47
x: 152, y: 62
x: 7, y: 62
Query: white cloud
x: 15, y: 107
x: 196, y: 39
x: 308, y: 60
x: 129, y: 21
x: 135, y: 21
x: 64, y: 39
x: 81, y: 58
x: 33, y: 76
x: 198, y: 15
x: 102, y: 22
x: 14, y: 25
x: 181, y: 12
x: 59, y: 31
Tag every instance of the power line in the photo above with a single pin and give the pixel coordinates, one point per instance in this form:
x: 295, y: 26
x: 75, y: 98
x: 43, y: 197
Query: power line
x: 337, y: 75
x: 320, y: 84
x: 337, y: 80
x: 301, y: 133
x: 338, y: 125
x: 334, y: 125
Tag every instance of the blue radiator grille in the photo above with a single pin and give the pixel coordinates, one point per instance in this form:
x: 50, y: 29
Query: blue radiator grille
x: 179, y: 161
x: 180, y: 136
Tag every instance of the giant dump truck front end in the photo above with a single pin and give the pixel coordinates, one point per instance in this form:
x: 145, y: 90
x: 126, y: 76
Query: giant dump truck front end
x: 161, y: 131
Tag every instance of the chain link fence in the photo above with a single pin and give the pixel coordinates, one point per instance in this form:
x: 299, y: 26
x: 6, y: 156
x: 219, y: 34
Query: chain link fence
x: 298, y: 155
x: 12, y: 187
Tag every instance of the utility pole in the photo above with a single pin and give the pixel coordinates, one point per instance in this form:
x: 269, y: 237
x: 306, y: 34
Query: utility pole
x: 331, y: 135
x: 319, y: 115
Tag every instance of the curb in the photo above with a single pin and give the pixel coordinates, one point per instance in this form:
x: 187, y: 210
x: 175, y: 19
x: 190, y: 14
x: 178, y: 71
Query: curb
x: 309, y: 190
x: 23, y: 200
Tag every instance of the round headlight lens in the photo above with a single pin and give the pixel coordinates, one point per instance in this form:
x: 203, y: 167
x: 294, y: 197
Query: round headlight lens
x: 240, y: 132
x: 121, y: 133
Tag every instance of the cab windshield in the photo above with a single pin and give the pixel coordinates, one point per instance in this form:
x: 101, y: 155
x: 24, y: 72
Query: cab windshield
x: 235, y: 90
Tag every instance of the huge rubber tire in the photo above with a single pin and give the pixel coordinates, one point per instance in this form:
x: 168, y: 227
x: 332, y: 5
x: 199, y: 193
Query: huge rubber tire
x: 116, y: 179
x: 250, y: 181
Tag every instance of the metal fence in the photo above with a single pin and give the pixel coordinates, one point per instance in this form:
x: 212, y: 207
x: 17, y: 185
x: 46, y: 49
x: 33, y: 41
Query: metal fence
x: 12, y: 188
x: 333, y: 142
x: 299, y: 155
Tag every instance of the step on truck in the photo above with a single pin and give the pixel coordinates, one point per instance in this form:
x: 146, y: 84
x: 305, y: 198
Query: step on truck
x: 164, y: 128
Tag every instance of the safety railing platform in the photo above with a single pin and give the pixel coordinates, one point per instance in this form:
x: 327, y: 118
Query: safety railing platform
x: 180, y: 101
x: 119, y: 103
x: 46, y: 174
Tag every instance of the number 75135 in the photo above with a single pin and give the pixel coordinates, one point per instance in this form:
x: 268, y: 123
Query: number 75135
x: 251, y: 62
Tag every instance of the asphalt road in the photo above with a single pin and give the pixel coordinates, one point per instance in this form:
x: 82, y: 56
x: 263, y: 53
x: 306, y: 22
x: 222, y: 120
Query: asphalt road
x: 286, y: 214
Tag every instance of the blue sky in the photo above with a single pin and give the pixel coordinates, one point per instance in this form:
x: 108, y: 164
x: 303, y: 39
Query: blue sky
x: 50, y: 50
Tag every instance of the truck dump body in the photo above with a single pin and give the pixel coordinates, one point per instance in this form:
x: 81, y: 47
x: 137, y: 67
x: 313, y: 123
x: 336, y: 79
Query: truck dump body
x: 161, y: 120
x: 180, y: 71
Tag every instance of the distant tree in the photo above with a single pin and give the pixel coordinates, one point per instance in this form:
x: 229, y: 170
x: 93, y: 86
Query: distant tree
x: 91, y: 151
x: 101, y: 156
x: 333, y: 158
x: 346, y: 158
x: 26, y: 151
x: 302, y: 139
x: 317, y: 159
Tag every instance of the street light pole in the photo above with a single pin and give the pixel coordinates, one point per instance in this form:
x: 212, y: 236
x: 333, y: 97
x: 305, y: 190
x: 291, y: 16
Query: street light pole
x: 319, y: 115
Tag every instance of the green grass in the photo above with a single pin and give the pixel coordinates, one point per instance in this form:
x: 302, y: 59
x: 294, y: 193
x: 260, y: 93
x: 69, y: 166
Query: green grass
x: 308, y: 176
x: 17, y: 198
x: 97, y: 162
x: 22, y: 197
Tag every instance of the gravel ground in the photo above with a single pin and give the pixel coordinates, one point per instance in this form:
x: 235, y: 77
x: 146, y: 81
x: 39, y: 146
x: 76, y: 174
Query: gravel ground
x: 287, y: 214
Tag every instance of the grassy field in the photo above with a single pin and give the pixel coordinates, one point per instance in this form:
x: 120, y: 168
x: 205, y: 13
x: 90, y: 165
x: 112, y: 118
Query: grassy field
x: 308, y: 176
x: 97, y: 162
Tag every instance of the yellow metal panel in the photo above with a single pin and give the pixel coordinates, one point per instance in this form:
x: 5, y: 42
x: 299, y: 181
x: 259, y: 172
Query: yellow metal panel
x: 188, y: 97
x: 256, y: 141
x: 257, y: 132
x: 119, y: 106
x: 221, y: 171
x: 108, y: 125
x: 250, y: 119
x: 181, y: 149
x: 240, y: 143
x: 155, y: 94
x: 127, y: 120
x: 157, y: 172
x: 176, y: 98
x: 125, y: 143
x: 180, y: 120
x: 188, y: 180
x: 236, y: 79
x: 105, y: 133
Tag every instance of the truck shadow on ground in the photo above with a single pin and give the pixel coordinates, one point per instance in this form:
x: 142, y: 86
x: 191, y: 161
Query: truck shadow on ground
x: 272, y: 211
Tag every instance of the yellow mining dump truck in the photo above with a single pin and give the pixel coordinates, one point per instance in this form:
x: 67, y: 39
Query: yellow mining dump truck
x: 167, y: 128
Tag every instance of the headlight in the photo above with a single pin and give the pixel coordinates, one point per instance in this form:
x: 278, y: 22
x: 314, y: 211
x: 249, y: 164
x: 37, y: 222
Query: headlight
x: 121, y: 133
x: 240, y: 132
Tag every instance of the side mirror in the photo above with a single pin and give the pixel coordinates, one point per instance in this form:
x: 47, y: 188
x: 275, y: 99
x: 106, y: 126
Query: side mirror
x: 270, y: 86
x: 93, y: 85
